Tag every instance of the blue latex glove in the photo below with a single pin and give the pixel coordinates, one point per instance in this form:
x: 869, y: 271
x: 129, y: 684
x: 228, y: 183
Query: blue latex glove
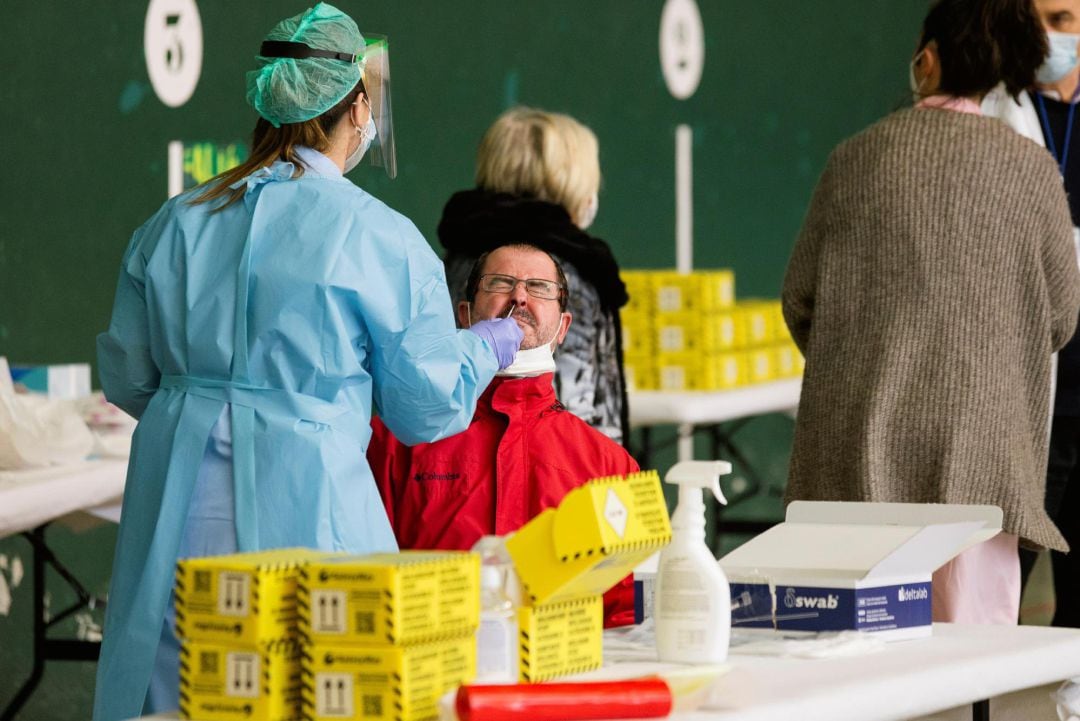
x: 503, y: 335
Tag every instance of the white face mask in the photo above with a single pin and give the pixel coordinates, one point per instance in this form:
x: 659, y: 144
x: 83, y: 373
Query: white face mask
x: 530, y: 361
x: 589, y: 215
x: 367, y: 134
x: 1060, y: 58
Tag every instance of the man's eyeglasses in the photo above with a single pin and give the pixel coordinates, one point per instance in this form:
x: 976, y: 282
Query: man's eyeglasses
x: 536, y: 287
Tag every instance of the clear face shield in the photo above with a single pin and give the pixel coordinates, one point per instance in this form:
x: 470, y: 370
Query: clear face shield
x: 375, y: 72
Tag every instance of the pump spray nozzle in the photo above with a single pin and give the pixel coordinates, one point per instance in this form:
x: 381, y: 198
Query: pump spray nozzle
x: 690, y: 476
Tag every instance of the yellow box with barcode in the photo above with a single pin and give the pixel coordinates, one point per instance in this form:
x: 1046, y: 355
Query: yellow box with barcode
x: 716, y: 289
x: 234, y: 682
x: 677, y: 371
x: 640, y: 372
x: 402, y: 683
x: 677, y: 333
x: 593, y: 539
x: 722, y: 331
x: 780, y: 329
x: 561, y: 638
x: 723, y: 371
x: 760, y: 365
x: 244, y: 598
x: 639, y: 288
x: 758, y: 321
x: 389, y: 598
x: 788, y: 360
x: 674, y: 292
x: 637, y: 335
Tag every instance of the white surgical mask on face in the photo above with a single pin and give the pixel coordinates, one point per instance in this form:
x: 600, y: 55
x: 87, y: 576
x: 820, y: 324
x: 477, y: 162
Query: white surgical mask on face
x: 589, y: 214
x: 1060, y: 58
x: 530, y: 361
x: 367, y: 134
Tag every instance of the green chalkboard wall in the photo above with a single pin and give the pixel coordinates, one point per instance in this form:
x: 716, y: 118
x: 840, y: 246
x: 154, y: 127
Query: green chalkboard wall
x: 85, y: 141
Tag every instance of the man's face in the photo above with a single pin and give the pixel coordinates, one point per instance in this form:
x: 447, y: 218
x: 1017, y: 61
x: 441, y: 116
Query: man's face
x: 540, y: 318
x: 1061, y: 16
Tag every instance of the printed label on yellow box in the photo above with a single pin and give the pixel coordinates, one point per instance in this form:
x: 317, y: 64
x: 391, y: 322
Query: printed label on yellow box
x: 595, y: 537
x: 403, y: 683
x: 558, y: 639
x: 227, y: 682
x: 760, y: 364
x: 391, y: 598
x: 245, y: 598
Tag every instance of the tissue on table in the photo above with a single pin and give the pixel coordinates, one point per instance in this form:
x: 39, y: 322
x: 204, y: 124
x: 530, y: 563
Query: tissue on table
x: 36, y: 431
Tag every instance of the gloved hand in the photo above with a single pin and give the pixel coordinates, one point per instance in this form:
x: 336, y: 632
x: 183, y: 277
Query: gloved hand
x: 503, y: 335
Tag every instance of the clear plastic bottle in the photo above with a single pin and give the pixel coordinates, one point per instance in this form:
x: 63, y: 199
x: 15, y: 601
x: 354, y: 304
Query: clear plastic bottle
x: 500, y: 597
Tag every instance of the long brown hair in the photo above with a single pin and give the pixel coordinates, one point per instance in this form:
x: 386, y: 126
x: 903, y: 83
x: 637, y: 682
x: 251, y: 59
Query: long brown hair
x: 269, y: 144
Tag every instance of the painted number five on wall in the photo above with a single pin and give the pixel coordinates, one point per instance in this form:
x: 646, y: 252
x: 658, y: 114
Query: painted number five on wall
x: 173, y: 45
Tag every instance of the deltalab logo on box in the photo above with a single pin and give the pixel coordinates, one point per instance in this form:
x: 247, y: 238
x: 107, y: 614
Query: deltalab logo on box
x: 828, y: 601
x: 911, y: 594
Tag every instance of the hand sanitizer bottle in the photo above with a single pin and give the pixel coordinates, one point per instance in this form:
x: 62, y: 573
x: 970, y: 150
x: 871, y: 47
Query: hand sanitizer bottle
x: 693, y: 600
x: 500, y: 597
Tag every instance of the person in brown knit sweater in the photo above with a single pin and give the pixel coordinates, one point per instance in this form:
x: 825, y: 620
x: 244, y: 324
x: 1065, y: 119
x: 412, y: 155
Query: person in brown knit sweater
x: 932, y: 280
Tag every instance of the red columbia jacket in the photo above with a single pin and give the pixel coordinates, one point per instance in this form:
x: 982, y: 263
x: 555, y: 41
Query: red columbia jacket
x: 521, y: 454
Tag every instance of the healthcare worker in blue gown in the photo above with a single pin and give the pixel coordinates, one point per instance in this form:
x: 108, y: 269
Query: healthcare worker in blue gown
x: 257, y: 318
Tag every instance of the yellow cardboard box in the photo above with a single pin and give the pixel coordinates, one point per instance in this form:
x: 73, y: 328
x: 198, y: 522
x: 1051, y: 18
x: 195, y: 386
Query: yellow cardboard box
x: 561, y: 638
x: 678, y: 371
x: 595, y: 537
x: 390, y: 598
x: 723, y: 371
x: 761, y: 365
x: 640, y: 373
x: 230, y: 682
x: 722, y: 331
x: 788, y: 361
x: 674, y: 292
x: 637, y: 335
x: 758, y: 320
x: 639, y: 287
x: 402, y: 683
x: 677, y: 333
x: 717, y: 289
x: 243, y: 598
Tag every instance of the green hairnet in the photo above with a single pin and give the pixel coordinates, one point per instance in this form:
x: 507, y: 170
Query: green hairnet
x: 287, y: 90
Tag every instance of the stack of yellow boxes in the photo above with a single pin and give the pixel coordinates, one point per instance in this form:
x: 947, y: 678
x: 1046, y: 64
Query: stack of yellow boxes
x: 236, y: 617
x: 567, y: 557
x: 686, y: 331
x: 384, y: 636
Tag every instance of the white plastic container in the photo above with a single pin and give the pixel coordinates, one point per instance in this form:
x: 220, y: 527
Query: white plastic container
x: 693, y: 600
x: 496, y: 638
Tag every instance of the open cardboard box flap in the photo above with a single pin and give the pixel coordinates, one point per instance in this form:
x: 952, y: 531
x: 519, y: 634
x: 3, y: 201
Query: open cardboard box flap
x: 857, y: 541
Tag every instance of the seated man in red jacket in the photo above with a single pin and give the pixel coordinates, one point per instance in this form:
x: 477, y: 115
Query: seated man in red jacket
x: 523, y: 451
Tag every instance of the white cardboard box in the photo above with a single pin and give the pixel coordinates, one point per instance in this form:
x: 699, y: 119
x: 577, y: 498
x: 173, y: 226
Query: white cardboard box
x: 851, y: 566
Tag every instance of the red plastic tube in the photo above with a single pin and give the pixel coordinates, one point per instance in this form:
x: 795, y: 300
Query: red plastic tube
x: 638, y: 698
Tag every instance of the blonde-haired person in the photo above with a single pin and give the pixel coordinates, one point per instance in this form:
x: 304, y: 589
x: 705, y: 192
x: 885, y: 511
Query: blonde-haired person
x: 537, y: 182
x: 256, y: 319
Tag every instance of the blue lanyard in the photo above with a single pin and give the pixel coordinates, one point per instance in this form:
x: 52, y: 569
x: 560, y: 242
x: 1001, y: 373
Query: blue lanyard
x: 1064, y: 159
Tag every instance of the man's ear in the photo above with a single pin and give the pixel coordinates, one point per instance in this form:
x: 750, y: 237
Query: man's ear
x: 564, y: 325
x: 463, y: 314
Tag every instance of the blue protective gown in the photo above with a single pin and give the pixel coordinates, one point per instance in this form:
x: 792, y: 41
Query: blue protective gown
x: 289, y: 312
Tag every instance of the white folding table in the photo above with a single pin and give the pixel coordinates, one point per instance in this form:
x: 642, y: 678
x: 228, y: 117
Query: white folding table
x: 957, y: 666
x: 29, y: 501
